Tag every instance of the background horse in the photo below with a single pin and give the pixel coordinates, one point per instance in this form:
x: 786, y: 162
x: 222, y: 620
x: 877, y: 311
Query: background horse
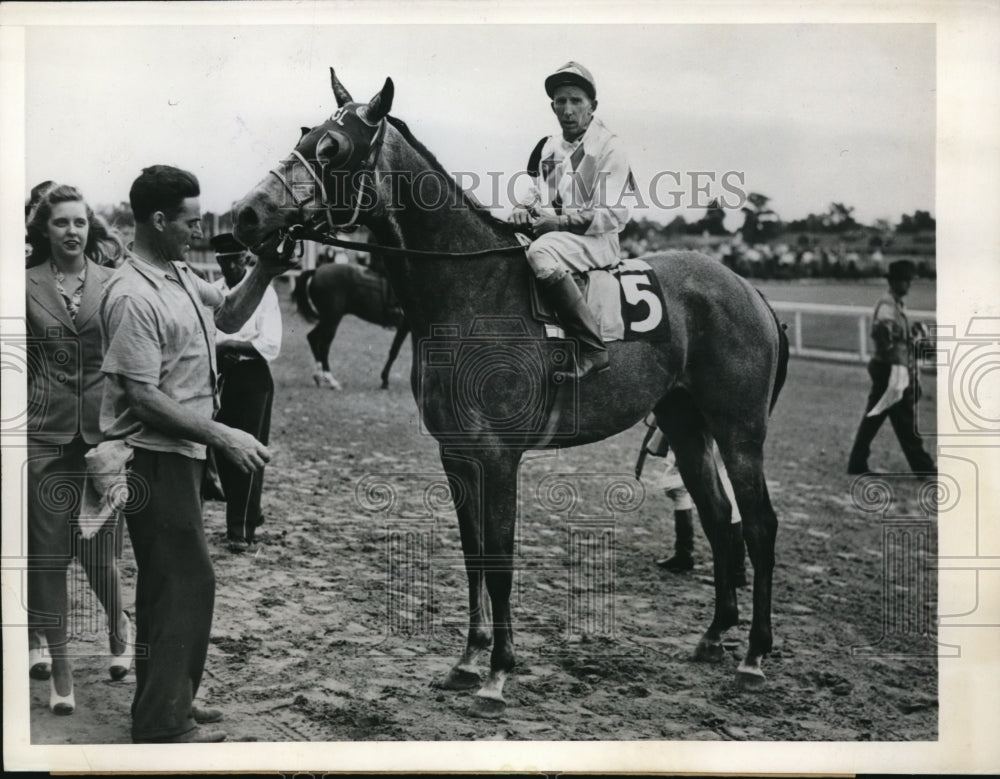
x: 335, y: 289
x: 482, y: 371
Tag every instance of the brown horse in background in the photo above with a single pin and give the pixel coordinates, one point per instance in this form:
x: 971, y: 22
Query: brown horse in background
x: 334, y: 290
x: 482, y: 369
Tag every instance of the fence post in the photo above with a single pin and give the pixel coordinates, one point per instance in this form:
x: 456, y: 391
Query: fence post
x: 798, y: 332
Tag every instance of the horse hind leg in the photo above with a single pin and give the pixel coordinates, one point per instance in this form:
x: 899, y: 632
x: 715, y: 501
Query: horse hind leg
x: 693, y: 447
x: 397, y: 341
x: 744, y: 462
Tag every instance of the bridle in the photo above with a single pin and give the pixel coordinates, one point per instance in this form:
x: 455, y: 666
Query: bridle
x: 305, y: 229
x: 366, y: 173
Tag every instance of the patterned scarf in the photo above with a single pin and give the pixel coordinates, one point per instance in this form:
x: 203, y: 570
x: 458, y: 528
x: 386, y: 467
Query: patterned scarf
x: 72, y: 301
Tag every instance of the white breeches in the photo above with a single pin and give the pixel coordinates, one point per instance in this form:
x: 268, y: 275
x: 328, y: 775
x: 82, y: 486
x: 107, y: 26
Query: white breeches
x: 554, y: 251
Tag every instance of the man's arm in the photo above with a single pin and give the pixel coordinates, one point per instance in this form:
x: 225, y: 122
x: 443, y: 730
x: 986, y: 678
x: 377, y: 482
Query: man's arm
x: 240, y: 304
x: 166, y: 415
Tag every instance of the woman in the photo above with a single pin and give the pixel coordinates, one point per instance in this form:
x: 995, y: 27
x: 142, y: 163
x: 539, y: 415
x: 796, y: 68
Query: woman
x: 66, y: 273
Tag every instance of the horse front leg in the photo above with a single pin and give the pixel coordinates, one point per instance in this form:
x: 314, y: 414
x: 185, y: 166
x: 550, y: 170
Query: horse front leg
x: 486, y: 511
x: 465, y: 480
x: 320, y: 338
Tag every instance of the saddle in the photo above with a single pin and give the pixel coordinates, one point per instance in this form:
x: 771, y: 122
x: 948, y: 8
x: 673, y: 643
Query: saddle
x: 627, y: 303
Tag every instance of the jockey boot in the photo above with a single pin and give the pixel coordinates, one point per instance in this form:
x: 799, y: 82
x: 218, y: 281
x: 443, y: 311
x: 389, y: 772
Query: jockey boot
x: 563, y: 294
x: 683, y: 559
x: 738, y: 556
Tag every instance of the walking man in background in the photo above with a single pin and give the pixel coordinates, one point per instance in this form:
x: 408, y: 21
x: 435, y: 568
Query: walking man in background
x: 895, y: 379
x: 247, y: 390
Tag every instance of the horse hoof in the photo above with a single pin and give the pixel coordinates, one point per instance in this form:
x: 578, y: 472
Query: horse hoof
x: 750, y: 678
x: 385, y: 385
x: 487, y: 708
x: 460, y: 679
x: 709, y: 652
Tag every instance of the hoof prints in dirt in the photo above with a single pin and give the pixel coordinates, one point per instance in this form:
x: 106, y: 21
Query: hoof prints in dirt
x: 350, y: 722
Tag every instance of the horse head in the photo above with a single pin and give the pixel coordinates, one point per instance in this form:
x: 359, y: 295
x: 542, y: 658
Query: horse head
x: 327, y: 181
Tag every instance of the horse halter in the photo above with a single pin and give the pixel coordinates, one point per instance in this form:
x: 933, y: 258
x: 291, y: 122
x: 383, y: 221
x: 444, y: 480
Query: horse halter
x: 366, y: 172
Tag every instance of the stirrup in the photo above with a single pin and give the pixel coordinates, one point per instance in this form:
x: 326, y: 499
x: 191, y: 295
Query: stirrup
x: 587, y: 366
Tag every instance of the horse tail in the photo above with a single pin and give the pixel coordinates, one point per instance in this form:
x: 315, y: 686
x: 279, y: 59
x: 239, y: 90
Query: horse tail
x: 303, y: 302
x: 782, y: 373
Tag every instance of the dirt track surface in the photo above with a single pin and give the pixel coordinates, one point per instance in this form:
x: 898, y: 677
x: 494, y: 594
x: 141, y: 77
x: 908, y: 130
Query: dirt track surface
x: 337, y: 627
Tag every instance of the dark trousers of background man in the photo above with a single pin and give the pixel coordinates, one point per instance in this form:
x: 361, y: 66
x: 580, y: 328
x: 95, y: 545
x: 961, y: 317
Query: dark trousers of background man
x: 247, y: 394
x: 903, y: 423
x: 175, y: 591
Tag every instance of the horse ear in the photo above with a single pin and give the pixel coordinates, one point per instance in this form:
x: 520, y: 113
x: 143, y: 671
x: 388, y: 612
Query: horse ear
x: 379, y: 106
x: 339, y: 91
x: 304, y: 131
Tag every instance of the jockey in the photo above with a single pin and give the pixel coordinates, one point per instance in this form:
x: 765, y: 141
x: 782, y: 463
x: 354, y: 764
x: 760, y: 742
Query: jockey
x: 575, y: 208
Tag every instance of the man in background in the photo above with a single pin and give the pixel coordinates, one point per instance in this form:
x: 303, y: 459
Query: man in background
x: 895, y: 380
x: 247, y: 390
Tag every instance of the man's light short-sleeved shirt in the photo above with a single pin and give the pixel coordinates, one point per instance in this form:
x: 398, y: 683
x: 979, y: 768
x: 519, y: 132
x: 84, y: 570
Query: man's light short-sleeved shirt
x: 158, y: 327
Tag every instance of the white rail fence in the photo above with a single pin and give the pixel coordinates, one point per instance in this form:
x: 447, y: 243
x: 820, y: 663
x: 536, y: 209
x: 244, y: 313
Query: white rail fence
x: 808, y: 319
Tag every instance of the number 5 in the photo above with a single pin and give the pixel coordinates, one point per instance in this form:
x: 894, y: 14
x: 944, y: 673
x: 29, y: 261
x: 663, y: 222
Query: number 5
x: 635, y: 294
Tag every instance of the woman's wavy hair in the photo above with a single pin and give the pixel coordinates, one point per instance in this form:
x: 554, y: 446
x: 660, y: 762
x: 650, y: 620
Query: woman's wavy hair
x: 104, y: 246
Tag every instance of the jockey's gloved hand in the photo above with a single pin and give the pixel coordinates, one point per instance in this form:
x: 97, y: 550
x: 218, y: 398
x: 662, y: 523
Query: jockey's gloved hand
x: 521, y: 216
x: 541, y: 225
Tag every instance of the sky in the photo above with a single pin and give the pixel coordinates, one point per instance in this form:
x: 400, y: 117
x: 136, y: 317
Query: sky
x: 805, y: 114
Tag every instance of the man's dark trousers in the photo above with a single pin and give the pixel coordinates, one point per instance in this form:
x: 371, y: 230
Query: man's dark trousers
x: 247, y: 394
x: 175, y: 590
x: 901, y: 417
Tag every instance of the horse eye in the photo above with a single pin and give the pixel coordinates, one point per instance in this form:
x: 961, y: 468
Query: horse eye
x: 334, y: 149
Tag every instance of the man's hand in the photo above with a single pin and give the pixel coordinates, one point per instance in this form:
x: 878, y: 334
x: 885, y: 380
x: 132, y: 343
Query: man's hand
x: 275, y: 255
x: 242, y: 449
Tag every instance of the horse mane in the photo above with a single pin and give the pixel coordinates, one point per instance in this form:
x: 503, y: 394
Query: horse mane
x: 503, y: 229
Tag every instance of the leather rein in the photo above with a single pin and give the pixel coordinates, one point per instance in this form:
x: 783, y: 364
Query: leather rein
x: 301, y: 232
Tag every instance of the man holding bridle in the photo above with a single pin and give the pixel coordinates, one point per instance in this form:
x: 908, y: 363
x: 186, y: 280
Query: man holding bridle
x: 575, y: 210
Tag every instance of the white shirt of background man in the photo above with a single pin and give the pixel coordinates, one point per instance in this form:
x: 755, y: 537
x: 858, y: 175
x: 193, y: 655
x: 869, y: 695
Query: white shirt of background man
x: 262, y: 330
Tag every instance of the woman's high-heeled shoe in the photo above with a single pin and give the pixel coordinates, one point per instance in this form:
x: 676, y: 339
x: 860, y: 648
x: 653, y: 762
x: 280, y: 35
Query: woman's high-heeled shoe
x: 118, y: 668
x: 39, y: 660
x: 60, y: 704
